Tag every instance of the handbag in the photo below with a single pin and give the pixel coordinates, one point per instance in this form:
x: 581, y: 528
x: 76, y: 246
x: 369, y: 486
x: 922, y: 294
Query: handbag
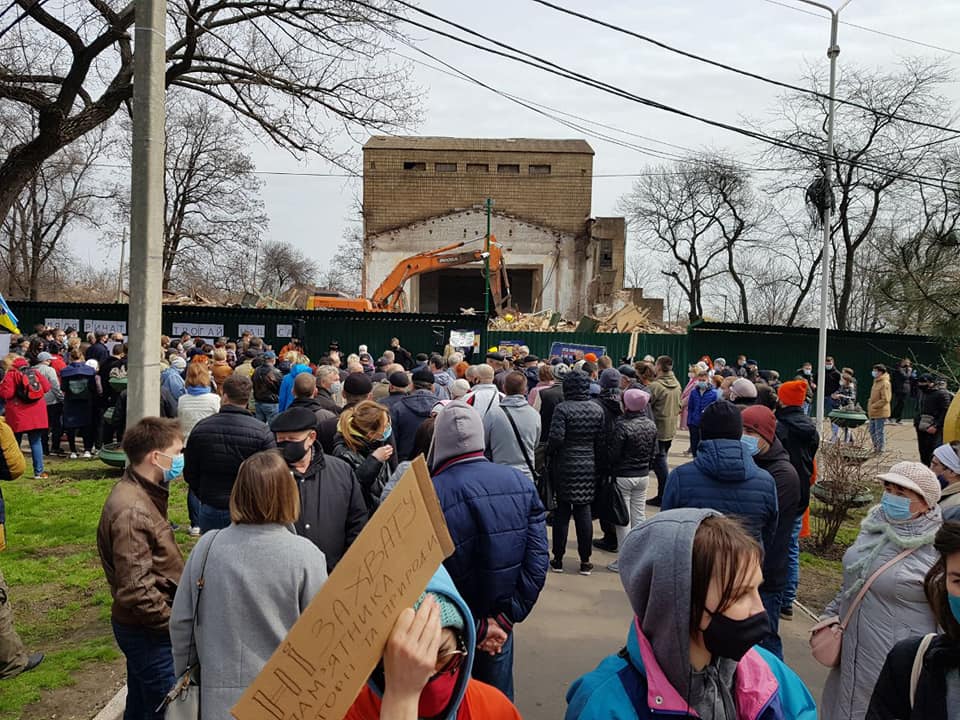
x: 540, y: 479
x: 183, y: 700
x: 826, y: 637
x: 926, y: 422
x: 610, y: 505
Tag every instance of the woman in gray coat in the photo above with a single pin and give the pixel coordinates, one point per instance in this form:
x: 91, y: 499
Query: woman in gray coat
x: 895, y: 607
x: 259, y: 577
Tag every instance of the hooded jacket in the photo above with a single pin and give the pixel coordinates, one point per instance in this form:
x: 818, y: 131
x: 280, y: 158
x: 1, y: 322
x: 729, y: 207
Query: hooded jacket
x: 266, y: 384
x: 776, y: 461
x: 285, y: 396
x: 332, y: 509
x: 799, y: 436
x: 934, y: 402
x: 652, y: 677
x: 441, y: 384
x: 501, y: 440
x: 495, y: 518
x: 549, y: 398
x: 891, y: 696
x: 725, y: 478
x: 472, y: 699
x: 576, y: 442
x: 698, y: 401
x: 609, y: 401
x: 406, y: 416
x: 878, y: 406
x: 20, y: 415
x: 665, y: 394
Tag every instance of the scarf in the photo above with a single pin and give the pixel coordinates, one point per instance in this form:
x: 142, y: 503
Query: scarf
x: 194, y: 390
x: 877, y: 532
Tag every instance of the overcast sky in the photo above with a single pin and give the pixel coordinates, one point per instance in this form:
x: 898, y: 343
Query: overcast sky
x: 312, y: 212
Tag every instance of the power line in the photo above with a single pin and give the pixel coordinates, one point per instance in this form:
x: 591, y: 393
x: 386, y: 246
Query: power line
x: 867, y: 29
x: 739, y: 71
x: 20, y: 17
x: 553, y: 68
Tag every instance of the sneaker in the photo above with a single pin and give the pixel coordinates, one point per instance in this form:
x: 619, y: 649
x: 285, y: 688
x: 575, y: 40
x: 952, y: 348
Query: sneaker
x: 41, y: 476
x: 786, y: 612
x: 614, y: 567
x: 605, y: 545
x: 586, y: 568
x: 87, y: 456
x: 556, y: 566
x: 73, y: 456
x: 194, y: 531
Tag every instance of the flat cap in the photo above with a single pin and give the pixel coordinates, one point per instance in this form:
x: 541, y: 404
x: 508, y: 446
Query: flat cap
x: 357, y: 384
x: 423, y: 375
x: 399, y: 379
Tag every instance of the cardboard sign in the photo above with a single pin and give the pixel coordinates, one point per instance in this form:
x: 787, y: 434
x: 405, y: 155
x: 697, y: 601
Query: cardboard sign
x: 329, y: 653
x: 197, y: 329
x: 567, y: 351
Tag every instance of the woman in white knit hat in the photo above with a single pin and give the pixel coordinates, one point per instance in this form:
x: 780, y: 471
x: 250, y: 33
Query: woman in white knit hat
x: 946, y: 466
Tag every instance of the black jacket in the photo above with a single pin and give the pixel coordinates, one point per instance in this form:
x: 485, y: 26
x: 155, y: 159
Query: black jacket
x: 934, y: 402
x: 403, y: 357
x: 216, y: 448
x: 372, y: 474
x: 266, y: 384
x: 406, y: 416
x: 326, y: 400
x: 609, y: 402
x: 891, y: 694
x: 776, y: 461
x: 800, y: 438
x: 633, y: 445
x: 831, y: 381
x: 575, y: 442
x: 549, y: 399
x: 314, y: 406
x: 332, y: 510
x: 327, y: 430
x: 900, y: 381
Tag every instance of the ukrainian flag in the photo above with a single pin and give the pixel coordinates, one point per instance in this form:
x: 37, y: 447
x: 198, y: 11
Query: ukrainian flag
x: 7, y: 319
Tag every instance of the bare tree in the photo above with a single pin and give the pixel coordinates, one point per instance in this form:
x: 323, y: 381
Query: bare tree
x: 876, y: 151
x: 345, y: 270
x: 291, y: 71
x: 62, y: 196
x: 282, y: 267
x: 696, y: 213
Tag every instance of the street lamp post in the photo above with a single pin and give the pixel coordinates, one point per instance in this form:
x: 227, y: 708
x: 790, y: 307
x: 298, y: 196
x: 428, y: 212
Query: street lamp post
x: 832, y: 52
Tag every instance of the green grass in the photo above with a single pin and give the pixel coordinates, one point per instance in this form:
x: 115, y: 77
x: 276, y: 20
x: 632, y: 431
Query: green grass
x: 60, y: 598
x: 811, y: 560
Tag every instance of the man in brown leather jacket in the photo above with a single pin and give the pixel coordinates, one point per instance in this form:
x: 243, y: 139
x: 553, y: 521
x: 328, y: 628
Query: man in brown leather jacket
x: 142, y: 560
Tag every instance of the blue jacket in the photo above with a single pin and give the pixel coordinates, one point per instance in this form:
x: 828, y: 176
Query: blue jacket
x: 286, y: 387
x: 496, y: 520
x: 725, y: 478
x: 697, y: 402
x: 635, y: 687
x: 407, y: 414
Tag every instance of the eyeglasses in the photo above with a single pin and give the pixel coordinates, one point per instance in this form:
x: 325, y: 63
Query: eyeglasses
x: 451, y: 660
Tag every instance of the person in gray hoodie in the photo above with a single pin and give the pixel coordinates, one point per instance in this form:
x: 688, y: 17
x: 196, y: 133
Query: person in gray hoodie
x: 513, y: 433
x: 441, y: 378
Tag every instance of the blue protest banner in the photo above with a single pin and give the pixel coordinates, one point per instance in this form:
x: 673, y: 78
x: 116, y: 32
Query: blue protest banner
x: 568, y: 352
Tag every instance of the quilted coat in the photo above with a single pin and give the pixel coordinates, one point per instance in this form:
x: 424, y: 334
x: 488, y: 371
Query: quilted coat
x: 724, y: 477
x: 576, y: 441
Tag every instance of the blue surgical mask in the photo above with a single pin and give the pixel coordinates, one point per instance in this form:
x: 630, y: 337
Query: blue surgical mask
x: 387, y: 433
x: 896, y: 507
x: 703, y: 384
x: 750, y: 443
x: 874, y: 373
x: 954, y: 601
x: 176, y: 468
x: 829, y: 366
x: 336, y: 387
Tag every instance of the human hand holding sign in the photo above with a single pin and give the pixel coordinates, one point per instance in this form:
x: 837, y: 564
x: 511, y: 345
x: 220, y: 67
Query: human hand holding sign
x: 410, y: 659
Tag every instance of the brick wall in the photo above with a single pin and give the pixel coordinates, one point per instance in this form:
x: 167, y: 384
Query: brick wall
x: 394, y: 197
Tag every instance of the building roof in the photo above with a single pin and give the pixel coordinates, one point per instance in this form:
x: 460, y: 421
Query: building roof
x: 535, y: 145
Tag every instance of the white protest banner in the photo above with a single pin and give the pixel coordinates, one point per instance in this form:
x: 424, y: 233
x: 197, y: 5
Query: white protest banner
x: 284, y: 331
x: 462, y: 338
x: 197, y: 329
x: 331, y: 650
x: 62, y: 323
x: 110, y: 326
x: 257, y: 330
x: 4, y: 343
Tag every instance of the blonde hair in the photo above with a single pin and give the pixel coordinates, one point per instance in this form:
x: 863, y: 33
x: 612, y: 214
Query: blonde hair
x: 219, y: 354
x: 364, y: 421
x: 265, y: 491
x: 198, y: 375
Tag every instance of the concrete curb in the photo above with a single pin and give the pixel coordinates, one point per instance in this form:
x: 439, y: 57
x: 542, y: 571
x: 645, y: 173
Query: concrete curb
x: 113, y: 710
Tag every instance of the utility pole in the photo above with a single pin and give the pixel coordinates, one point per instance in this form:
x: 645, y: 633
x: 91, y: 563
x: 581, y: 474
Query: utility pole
x: 486, y: 265
x: 146, y: 211
x: 123, y: 248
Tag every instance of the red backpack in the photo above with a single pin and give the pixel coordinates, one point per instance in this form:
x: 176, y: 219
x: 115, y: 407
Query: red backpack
x: 28, y: 388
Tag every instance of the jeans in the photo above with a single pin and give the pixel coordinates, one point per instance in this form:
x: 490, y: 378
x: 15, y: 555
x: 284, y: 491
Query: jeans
x: 793, y: 565
x: 212, y: 518
x: 771, y: 603
x: 51, y: 438
x: 193, y: 509
x: 660, y: 468
x: 35, y: 438
x: 583, y: 522
x: 266, y: 411
x: 633, y: 490
x: 149, y: 670
x: 694, y: 438
x: 877, y: 433
x: 496, y: 670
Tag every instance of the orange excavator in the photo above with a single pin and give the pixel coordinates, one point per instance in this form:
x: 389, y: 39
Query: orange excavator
x: 389, y: 296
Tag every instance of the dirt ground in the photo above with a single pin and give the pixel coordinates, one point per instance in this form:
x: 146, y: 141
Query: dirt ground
x: 92, y: 689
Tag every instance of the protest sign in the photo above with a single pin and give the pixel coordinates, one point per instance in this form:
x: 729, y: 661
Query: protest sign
x: 568, y: 351
x: 285, y: 331
x: 331, y: 650
x: 198, y: 329
x: 509, y: 347
x: 462, y: 338
x: 62, y: 323
x: 256, y: 330
x: 108, y: 326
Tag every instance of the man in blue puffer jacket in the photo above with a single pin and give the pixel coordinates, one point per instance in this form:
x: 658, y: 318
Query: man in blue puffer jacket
x: 724, y: 476
x: 497, y: 523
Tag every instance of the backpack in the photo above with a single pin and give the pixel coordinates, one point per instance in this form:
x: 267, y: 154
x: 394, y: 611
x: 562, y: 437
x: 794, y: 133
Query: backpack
x: 28, y: 388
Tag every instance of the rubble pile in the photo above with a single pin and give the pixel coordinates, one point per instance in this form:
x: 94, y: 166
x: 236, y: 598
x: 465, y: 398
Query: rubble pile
x: 627, y: 319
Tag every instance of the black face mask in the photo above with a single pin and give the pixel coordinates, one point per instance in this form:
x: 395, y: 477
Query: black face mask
x: 733, y: 638
x: 293, y: 450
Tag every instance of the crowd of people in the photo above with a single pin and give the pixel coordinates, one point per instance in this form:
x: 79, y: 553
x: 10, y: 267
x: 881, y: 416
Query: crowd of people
x: 286, y: 459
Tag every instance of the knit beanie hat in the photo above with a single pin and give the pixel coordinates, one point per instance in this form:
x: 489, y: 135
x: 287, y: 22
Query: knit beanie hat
x: 635, y: 400
x: 742, y: 388
x: 917, y: 477
x: 793, y: 393
x: 761, y: 420
x: 610, y: 379
x: 721, y: 421
x: 450, y: 615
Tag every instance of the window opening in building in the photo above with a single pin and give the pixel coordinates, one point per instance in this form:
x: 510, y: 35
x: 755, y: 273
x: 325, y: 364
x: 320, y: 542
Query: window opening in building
x: 606, y: 254
x: 508, y: 169
x: 446, y: 167
x: 478, y: 168
x: 414, y: 166
x: 539, y: 169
